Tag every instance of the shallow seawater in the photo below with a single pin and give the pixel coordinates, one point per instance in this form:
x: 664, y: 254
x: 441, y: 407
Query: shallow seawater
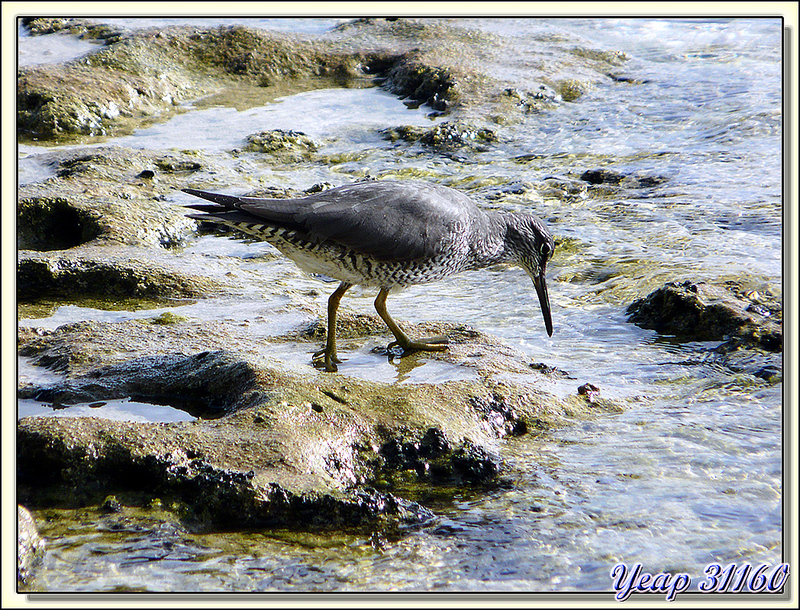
x: 689, y: 474
x: 123, y: 409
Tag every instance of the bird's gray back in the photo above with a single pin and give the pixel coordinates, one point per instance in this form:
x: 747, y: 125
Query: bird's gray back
x: 386, y: 220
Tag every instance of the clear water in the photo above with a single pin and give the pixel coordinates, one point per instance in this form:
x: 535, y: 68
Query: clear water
x: 123, y: 409
x: 691, y: 472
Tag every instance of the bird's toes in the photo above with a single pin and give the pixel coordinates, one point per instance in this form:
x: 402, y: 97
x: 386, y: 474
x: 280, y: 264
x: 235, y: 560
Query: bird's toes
x: 322, y: 359
x: 326, y: 365
x: 430, y: 344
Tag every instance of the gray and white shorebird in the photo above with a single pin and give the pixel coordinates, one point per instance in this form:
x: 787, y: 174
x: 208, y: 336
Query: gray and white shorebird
x: 388, y: 234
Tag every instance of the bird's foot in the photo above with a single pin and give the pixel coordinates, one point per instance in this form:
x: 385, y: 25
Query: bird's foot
x: 326, y: 359
x: 425, y: 344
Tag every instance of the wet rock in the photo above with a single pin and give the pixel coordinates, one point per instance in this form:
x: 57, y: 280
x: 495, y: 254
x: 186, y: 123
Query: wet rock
x: 38, y: 26
x: 623, y: 78
x: 445, y: 136
x: 149, y: 72
x: 91, y: 455
x: 601, y: 56
x: 434, y: 460
x: 285, y: 146
x: 559, y: 187
x: 645, y: 181
x: 56, y: 100
x: 706, y: 312
x: 273, y: 446
x: 512, y: 188
x: 92, y: 351
x: 145, y: 73
x: 349, y: 325
x: 88, y: 272
x: 111, y: 505
x: 63, y: 222
x: 550, y: 371
x: 100, y: 194
x: 30, y: 546
x: 206, y: 383
x: 612, y: 177
x: 268, y: 57
x: 426, y: 62
x: 436, y: 64
x: 433, y: 86
x: 571, y: 89
x: 531, y: 102
x: 499, y: 415
x: 45, y: 223
x: 602, y: 176
x: 740, y: 357
x: 590, y: 391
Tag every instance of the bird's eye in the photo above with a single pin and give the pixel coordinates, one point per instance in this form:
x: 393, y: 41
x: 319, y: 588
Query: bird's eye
x: 545, y: 250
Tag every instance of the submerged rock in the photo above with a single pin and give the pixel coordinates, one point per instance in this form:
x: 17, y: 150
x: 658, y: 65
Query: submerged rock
x: 604, y: 176
x: 530, y: 102
x: 571, y: 89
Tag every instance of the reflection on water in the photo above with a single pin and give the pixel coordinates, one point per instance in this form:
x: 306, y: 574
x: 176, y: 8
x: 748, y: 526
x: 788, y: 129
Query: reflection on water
x: 117, y: 410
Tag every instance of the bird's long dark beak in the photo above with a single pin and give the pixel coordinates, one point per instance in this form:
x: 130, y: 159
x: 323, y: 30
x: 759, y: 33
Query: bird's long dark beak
x: 541, y: 289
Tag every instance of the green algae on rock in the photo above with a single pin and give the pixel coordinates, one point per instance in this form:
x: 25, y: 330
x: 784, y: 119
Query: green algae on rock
x: 99, y: 194
x: 445, y: 136
x: 39, y: 26
x: 53, y: 223
x: 148, y: 73
x: 285, y: 146
x: 144, y: 75
x: 98, y: 456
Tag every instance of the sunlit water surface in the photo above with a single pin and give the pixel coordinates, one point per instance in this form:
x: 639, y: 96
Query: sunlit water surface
x: 689, y: 474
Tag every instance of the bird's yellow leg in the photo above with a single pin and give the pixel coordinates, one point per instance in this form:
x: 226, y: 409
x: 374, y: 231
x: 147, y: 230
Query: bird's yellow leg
x: 429, y: 344
x: 328, y: 355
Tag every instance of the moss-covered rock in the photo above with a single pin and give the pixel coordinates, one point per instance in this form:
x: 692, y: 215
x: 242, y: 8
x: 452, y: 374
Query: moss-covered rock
x: 444, y: 137
x: 285, y: 146
x: 102, y: 195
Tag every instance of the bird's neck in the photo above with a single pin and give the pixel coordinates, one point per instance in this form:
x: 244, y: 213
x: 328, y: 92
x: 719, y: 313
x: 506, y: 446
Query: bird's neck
x: 493, y: 248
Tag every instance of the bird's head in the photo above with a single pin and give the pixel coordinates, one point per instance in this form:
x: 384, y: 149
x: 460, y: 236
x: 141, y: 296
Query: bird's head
x: 530, y: 245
